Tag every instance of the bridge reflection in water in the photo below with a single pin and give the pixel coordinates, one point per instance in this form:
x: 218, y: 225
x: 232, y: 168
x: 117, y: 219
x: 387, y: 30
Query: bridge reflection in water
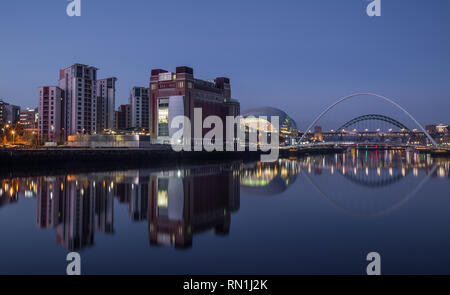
x: 373, y: 174
x: 179, y: 203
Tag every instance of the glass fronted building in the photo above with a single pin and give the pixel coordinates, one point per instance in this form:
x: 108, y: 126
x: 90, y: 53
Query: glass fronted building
x: 260, y: 119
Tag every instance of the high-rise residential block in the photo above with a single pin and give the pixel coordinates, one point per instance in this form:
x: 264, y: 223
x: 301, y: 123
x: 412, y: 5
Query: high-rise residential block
x: 139, y: 102
x: 50, y: 122
x: 123, y: 117
x: 106, y: 98
x: 79, y: 83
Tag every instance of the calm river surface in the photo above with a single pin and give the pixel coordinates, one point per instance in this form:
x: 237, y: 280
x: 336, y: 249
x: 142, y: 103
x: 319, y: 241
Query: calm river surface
x: 319, y: 214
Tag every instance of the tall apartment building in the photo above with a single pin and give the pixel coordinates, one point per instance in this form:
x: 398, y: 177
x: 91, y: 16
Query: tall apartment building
x: 106, y: 99
x: 51, y: 116
x: 139, y: 102
x: 174, y: 94
x: 80, y: 102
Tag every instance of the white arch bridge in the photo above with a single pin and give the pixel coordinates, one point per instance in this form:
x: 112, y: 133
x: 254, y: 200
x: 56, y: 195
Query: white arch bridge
x: 301, y: 142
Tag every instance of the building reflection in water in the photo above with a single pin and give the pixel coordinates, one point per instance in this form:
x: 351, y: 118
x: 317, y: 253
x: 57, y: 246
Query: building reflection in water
x: 13, y: 188
x: 179, y: 203
x: 184, y: 202
x: 76, y: 207
x: 176, y: 203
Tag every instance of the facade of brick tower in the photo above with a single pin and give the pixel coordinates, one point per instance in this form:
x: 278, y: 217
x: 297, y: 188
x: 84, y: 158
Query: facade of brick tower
x: 175, y: 94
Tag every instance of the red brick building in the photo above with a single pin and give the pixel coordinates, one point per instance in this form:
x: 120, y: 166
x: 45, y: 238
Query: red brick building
x: 122, y: 117
x: 175, y: 94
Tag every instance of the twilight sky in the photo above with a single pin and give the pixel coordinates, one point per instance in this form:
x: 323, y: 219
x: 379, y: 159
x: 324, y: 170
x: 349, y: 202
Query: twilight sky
x: 298, y: 55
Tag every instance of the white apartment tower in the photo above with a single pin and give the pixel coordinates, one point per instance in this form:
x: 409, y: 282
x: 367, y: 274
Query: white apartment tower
x: 80, y: 105
x: 139, y: 101
x: 106, y: 99
x: 50, y: 122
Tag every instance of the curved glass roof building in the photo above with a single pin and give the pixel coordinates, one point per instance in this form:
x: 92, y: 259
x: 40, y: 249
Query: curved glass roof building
x: 288, y: 127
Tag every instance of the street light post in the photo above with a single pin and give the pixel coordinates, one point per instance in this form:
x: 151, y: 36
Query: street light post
x: 13, y: 132
x: 53, y: 132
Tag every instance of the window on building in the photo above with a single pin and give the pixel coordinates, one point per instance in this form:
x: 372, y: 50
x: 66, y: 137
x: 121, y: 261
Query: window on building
x: 163, y: 119
x: 79, y: 71
x: 163, y: 197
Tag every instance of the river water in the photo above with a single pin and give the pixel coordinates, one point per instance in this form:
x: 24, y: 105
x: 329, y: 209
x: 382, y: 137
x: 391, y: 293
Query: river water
x: 318, y: 214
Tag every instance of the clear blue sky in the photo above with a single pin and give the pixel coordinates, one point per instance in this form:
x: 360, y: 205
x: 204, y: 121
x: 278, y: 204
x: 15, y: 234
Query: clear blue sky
x: 298, y: 55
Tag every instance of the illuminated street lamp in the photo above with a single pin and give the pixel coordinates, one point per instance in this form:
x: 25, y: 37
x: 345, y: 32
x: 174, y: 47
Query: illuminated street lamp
x: 13, y: 132
x: 53, y: 132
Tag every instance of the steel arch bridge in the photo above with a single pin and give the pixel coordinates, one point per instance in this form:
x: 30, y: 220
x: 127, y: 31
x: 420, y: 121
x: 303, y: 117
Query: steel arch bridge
x: 374, y: 117
x: 373, y: 95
